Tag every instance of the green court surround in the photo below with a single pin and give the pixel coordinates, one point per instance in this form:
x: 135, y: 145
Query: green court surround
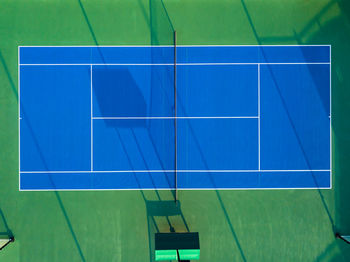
x: 256, y: 225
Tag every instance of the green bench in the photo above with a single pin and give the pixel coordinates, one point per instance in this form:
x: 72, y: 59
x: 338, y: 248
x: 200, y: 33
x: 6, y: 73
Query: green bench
x: 171, y: 246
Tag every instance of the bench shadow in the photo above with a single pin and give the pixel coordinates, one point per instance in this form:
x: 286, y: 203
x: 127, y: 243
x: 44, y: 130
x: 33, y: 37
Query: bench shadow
x: 160, y: 210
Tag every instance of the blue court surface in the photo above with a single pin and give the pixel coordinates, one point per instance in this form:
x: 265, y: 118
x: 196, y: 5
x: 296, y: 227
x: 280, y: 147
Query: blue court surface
x: 244, y: 117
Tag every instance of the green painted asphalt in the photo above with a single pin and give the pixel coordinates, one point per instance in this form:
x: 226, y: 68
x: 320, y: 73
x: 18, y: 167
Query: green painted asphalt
x: 275, y: 225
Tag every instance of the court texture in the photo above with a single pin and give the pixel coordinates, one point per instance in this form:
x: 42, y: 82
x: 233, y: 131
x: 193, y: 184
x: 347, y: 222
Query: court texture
x: 113, y: 130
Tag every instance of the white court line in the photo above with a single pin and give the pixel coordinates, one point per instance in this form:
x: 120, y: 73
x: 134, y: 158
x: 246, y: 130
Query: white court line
x: 188, y: 64
x: 19, y: 118
x: 169, y: 64
x: 177, y: 117
x: 330, y: 115
x: 100, y: 64
x: 92, y: 124
x: 169, y: 171
x: 259, y: 116
x: 182, y: 189
x: 157, y: 46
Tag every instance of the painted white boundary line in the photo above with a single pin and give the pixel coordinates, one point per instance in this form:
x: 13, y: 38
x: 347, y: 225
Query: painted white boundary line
x: 19, y: 118
x: 155, y: 46
x: 188, y: 64
x: 166, y: 64
x: 172, y: 117
x: 181, y: 189
x: 330, y: 118
x: 259, y: 116
x: 171, y: 171
x: 92, y: 124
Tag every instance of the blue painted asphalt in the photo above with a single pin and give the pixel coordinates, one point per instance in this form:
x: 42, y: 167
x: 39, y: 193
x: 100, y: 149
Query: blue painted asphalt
x: 261, y: 121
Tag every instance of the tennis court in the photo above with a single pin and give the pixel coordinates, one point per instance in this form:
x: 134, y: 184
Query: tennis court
x: 164, y: 130
x: 236, y: 123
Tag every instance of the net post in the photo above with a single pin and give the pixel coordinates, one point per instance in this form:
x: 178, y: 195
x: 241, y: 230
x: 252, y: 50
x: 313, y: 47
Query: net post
x: 175, y: 120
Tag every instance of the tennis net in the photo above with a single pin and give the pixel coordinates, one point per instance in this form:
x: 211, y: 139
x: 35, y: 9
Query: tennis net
x: 163, y: 89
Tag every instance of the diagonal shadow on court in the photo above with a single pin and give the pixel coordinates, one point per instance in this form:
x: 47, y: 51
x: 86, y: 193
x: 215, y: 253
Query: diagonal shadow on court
x: 340, y: 96
x: 5, y: 230
x: 217, y: 192
x: 154, y: 208
x: 330, y: 25
x: 58, y: 197
x: 156, y: 41
x: 57, y: 194
x: 301, y: 146
x: 113, y: 88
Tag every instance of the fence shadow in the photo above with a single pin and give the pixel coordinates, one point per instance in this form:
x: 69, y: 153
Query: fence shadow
x: 282, y: 99
x: 118, y: 94
x: 330, y: 26
x: 5, y: 231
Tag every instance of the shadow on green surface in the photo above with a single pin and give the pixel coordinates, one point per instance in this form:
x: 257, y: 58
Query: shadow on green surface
x: 320, y: 29
x: 161, y: 27
x: 163, y: 208
x: 325, y: 255
x: 158, y: 11
x: 340, y: 110
x: 5, y: 230
x: 156, y: 210
x: 161, y: 30
x: 340, y: 96
x: 88, y: 22
x: 217, y: 192
x: 155, y: 40
x: 331, y: 252
x: 259, y: 41
x: 57, y: 194
x: 339, y: 124
x: 12, y: 84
